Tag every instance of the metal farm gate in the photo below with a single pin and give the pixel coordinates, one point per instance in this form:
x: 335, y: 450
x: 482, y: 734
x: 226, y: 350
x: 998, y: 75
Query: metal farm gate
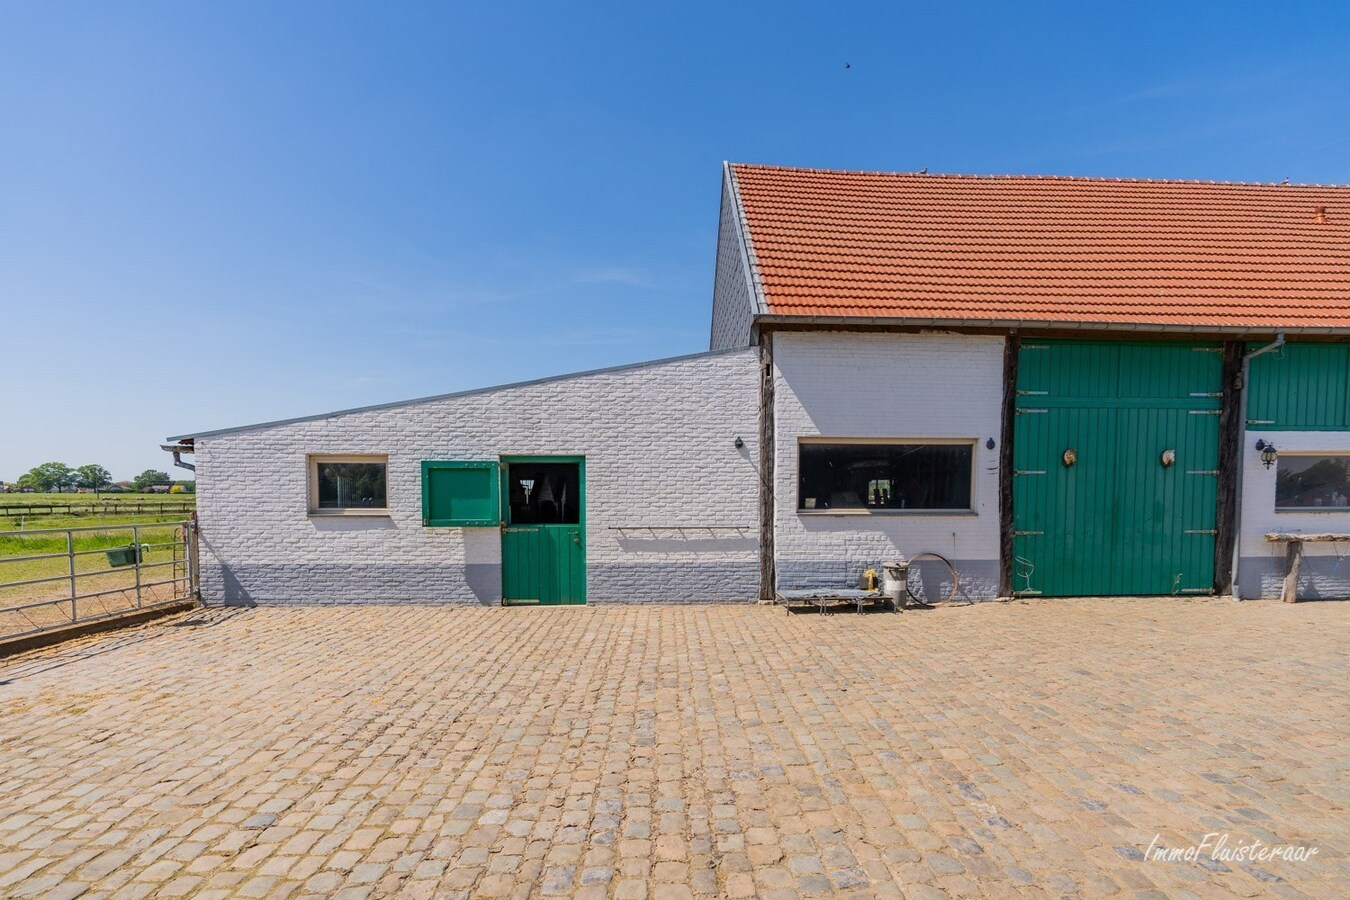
x: 1115, y: 459
x: 54, y: 579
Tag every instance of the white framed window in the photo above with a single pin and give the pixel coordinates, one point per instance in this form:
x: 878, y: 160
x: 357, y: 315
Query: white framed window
x: 1312, y: 482
x: 885, y: 475
x: 348, y: 484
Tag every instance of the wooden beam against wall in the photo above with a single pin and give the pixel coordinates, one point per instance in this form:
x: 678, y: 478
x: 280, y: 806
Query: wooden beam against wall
x: 1011, y: 346
x: 768, y: 576
x: 1230, y: 457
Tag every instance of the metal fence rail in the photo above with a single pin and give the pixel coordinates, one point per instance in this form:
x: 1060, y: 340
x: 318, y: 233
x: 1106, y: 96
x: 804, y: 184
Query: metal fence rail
x: 94, y: 508
x: 143, y: 571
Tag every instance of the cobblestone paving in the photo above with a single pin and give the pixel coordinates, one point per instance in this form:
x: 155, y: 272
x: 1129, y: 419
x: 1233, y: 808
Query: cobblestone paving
x: 1000, y: 750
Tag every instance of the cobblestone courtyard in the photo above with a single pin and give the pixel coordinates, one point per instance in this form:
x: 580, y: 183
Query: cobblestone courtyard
x: 1001, y: 750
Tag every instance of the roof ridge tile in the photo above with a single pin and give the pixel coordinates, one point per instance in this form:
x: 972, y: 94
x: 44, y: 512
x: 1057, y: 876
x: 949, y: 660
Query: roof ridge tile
x: 1011, y: 176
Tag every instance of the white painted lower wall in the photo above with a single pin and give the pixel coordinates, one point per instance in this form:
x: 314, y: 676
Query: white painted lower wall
x: 931, y: 385
x: 659, y: 446
x: 1325, y: 570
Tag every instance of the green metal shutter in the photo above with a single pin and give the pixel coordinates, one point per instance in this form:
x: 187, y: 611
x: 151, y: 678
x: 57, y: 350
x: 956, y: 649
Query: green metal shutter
x: 1300, y: 387
x: 459, y: 493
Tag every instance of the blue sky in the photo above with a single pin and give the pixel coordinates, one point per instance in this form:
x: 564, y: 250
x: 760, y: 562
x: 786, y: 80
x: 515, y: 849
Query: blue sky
x: 212, y: 215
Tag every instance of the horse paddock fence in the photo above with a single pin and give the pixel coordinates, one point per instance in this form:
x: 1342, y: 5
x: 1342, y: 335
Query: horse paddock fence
x: 56, y: 578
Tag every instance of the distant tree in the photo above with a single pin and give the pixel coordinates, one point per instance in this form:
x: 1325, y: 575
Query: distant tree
x: 92, y: 476
x: 49, y: 477
x: 149, y: 477
x: 27, y: 482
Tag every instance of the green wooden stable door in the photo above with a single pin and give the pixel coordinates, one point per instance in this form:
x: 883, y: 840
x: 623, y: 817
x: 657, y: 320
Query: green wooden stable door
x: 1115, y: 458
x: 543, y: 531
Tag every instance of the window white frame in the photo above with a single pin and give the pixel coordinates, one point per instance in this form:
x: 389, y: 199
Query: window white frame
x: 1282, y: 510
x: 312, y: 461
x: 876, y: 441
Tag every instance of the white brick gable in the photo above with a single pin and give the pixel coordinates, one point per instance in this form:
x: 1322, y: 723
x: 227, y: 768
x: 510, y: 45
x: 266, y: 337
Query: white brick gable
x: 733, y: 294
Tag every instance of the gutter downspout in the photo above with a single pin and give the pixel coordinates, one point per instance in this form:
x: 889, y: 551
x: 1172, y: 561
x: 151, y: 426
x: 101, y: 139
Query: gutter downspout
x: 178, y: 450
x: 1242, y: 452
x: 1273, y: 345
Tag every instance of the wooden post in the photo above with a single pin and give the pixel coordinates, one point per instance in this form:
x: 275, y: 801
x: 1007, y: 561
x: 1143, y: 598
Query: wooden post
x: 768, y: 576
x: 1230, y: 458
x: 1005, y: 465
x: 1292, y: 557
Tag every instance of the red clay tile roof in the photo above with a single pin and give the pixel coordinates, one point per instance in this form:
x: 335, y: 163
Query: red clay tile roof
x: 1048, y: 249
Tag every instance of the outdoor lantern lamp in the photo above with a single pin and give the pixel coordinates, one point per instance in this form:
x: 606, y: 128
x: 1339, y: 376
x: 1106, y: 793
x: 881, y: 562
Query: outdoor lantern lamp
x: 1268, y: 452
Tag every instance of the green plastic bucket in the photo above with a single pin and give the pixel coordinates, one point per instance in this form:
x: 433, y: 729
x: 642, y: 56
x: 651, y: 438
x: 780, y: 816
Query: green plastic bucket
x: 124, y: 556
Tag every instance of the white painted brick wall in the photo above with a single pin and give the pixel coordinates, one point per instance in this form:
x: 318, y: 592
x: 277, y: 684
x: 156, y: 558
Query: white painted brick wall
x: 1326, y: 567
x: 918, y: 386
x: 733, y: 303
x: 658, y: 441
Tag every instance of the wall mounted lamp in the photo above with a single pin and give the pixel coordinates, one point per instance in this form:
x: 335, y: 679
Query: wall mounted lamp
x: 1268, y: 452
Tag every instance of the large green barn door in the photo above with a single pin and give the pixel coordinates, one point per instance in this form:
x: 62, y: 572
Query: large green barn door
x: 543, y: 531
x: 1112, y: 518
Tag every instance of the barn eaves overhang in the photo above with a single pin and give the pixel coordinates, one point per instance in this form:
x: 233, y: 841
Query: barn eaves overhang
x: 909, y: 323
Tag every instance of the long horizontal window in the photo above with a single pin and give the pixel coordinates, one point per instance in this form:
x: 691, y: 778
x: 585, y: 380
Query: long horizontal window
x: 348, y: 484
x: 884, y: 476
x: 1313, y: 482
